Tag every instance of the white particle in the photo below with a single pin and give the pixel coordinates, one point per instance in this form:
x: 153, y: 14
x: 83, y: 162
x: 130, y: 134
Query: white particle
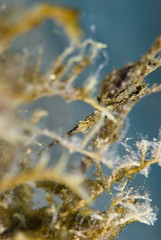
x: 93, y: 28
x: 52, y: 77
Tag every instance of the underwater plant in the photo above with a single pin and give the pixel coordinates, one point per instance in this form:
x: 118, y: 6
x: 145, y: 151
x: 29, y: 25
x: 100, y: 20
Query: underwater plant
x: 69, y: 190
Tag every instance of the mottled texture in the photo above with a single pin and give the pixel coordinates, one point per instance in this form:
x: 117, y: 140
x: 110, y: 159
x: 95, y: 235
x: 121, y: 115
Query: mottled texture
x: 67, y: 193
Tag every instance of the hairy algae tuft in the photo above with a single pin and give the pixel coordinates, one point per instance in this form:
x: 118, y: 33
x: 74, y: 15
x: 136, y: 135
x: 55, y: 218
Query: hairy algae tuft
x: 67, y: 212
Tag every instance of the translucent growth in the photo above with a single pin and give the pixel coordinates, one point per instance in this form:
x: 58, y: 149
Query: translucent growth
x: 67, y: 212
x: 119, y: 92
x: 126, y: 207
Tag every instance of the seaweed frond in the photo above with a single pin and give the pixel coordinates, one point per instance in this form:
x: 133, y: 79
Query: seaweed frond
x: 67, y: 194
